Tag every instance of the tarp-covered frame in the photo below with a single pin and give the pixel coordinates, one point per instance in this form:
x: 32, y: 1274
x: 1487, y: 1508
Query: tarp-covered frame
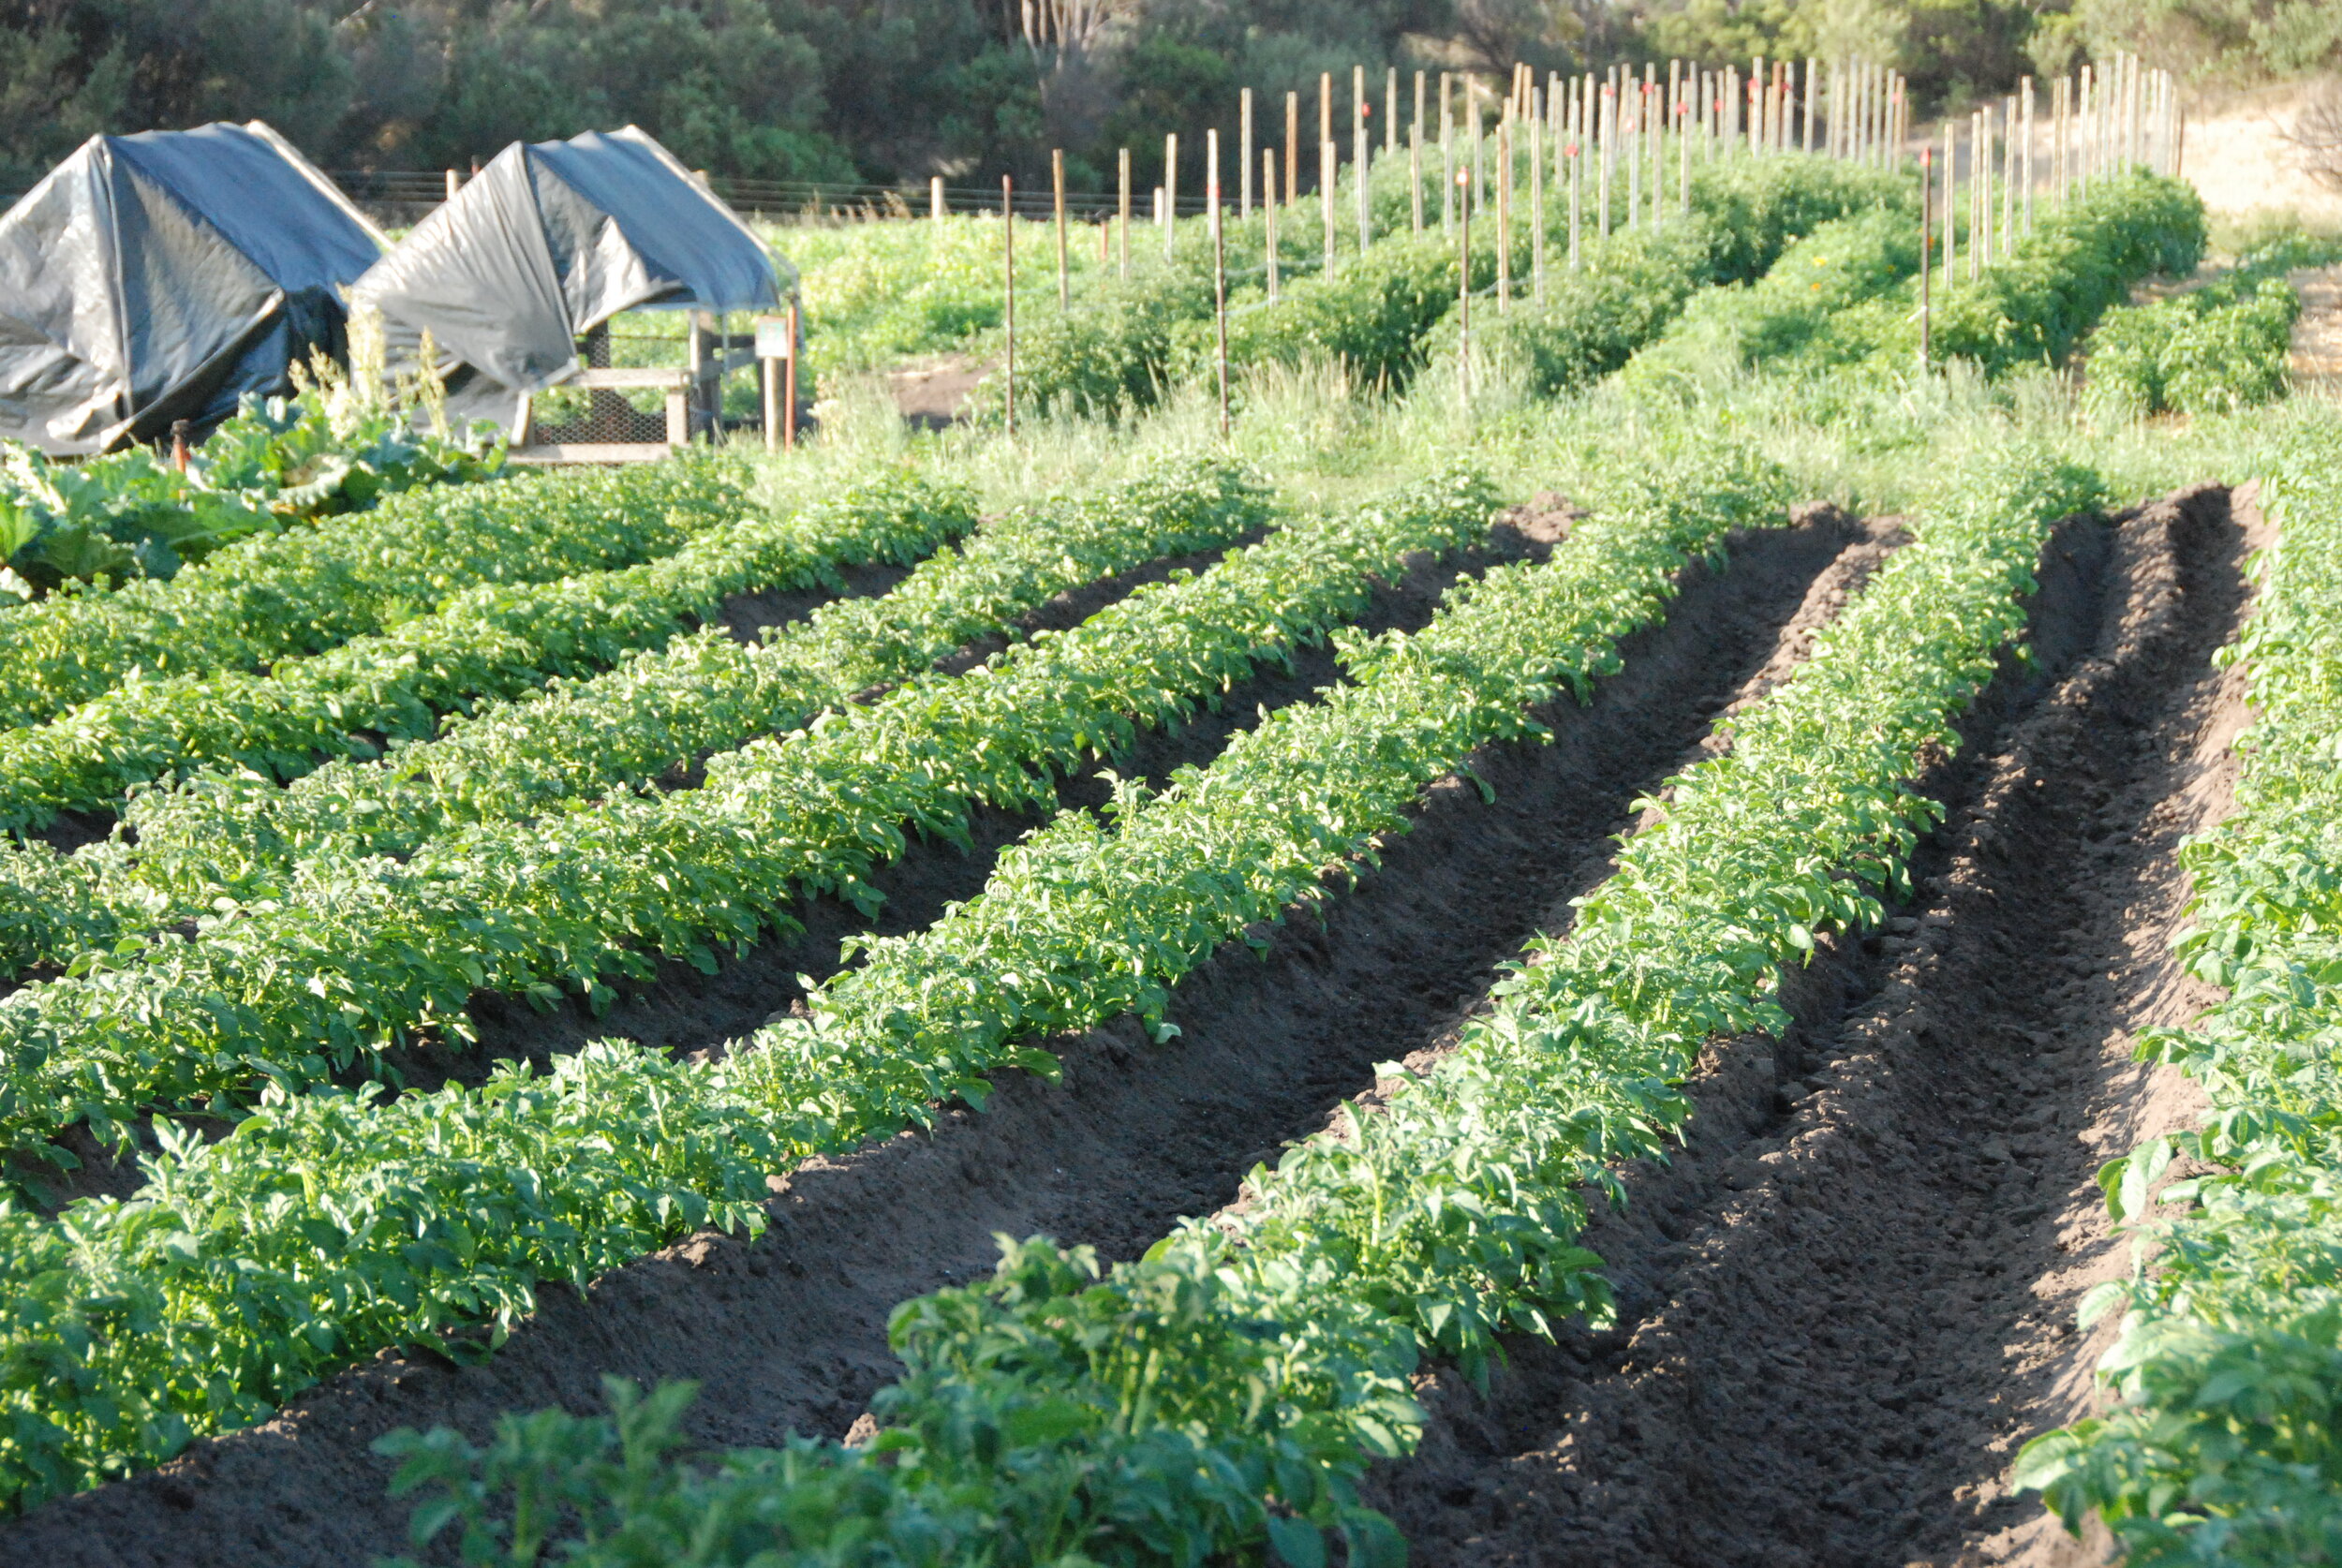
x: 163, y: 276
x: 550, y: 241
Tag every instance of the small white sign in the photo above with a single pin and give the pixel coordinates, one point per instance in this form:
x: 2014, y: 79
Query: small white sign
x: 773, y: 339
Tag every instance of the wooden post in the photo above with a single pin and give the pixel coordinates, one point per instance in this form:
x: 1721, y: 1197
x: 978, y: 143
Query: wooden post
x: 935, y: 195
x: 1244, y: 154
x: 1324, y: 129
x: 695, y: 359
x: 1126, y: 213
x: 1414, y: 174
x: 1504, y: 211
x: 1008, y: 290
x: 1576, y: 162
x: 1464, y: 284
x: 1170, y: 191
x: 768, y: 390
x: 1219, y: 267
x: 1605, y: 129
x: 1361, y: 156
x: 1952, y: 177
x: 179, y: 429
x: 1684, y: 159
x: 1325, y: 176
x: 1927, y: 259
x: 1536, y: 203
x: 1057, y: 183
x: 2009, y: 207
x: 1391, y: 112
x: 1293, y: 148
x: 1421, y: 128
x: 1630, y: 106
x: 2032, y: 171
x: 789, y: 383
x: 454, y: 184
x: 1447, y: 157
x: 1269, y: 212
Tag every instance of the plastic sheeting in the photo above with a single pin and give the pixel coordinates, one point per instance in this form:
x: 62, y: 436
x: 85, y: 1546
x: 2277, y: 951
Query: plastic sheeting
x: 548, y: 241
x: 162, y: 276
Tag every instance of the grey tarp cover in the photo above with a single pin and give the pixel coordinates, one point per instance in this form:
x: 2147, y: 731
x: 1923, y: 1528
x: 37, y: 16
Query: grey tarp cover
x: 160, y: 277
x: 549, y: 240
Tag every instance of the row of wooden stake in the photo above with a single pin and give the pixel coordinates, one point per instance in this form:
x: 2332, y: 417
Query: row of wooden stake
x: 2101, y: 120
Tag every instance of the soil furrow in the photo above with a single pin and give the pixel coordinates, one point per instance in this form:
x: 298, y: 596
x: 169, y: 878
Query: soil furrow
x: 1850, y: 1300
x: 788, y: 1332
x: 684, y: 1009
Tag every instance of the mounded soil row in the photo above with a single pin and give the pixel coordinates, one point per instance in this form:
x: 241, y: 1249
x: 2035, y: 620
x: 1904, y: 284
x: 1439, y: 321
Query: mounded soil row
x: 1851, y: 1299
x: 787, y: 1333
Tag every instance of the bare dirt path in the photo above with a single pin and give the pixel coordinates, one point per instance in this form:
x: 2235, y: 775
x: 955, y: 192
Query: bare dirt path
x: 1850, y: 1300
x: 2316, y: 361
x: 787, y: 1333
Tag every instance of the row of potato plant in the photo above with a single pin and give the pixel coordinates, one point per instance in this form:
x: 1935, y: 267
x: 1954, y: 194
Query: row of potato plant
x: 223, y: 841
x: 1222, y: 1394
x: 273, y: 595
x: 2222, y: 1444
x: 1631, y: 288
x: 495, y: 640
x: 2209, y: 350
x: 357, y: 950
x: 1373, y: 310
x: 327, y: 1223
x: 2035, y: 305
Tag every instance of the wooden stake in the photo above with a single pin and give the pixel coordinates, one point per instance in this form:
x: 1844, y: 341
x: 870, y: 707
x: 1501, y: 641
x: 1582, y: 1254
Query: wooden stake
x: 1576, y: 161
x: 2031, y: 171
x: 1244, y: 158
x: 1170, y: 191
x: 1269, y: 212
x: 1463, y: 286
x: 1414, y: 174
x: 1219, y: 267
x: 1504, y: 211
x: 1057, y: 182
x: 1325, y: 177
x: 935, y: 195
x: 1008, y: 262
x: 1125, y: 209
x: 1536, y: 200
x: 1293, y: 147
x: 1390, y: 111
x: 1446, y: 158
x: 789, y: 382
x: 1927, y: 267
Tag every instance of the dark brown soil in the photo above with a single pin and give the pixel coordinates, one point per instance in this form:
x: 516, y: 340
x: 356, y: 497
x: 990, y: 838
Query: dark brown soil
x: 787, y: 1333
x: 684, y: 1009
x: 1850, y: 1300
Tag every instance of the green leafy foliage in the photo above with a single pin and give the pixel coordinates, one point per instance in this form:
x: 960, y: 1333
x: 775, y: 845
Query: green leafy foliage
x: 2222, y: 1449
x: 279, y: 461
x: 2033, y: 307
x: 496, y: 640
x: 1376, y: 310
x: 247, y: 1253
x: 1631, y: 285
x: 2210, y: 350
x: 353, y: 950
x: 1440, y: 1217
x: 274, y: 596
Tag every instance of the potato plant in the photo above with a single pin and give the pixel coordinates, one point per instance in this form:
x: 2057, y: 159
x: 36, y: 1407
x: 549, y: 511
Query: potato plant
x: 278, y: 595
x: 2221, y: 1447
